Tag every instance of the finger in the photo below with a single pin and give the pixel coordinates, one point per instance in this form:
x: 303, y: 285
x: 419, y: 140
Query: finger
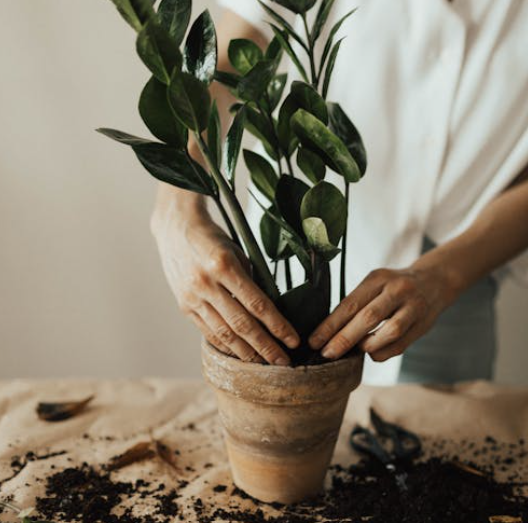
x: 392, y: 330
x: 398, y: 347
x: 345, y: 311
x: 248, y: 328
x: 367, y: 319
x: 218, y: 326
x: 260, y: 306
x: 209, y: 336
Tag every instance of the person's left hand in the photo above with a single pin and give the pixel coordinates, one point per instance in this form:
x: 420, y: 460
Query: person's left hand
x: 405, y: 302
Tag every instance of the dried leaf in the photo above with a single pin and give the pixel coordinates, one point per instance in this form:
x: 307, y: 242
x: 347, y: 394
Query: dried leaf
x: 139, y: 452
x: 505, y: 519
x: 61, y: 411
x: 469, y: 469
x: 166, y: 454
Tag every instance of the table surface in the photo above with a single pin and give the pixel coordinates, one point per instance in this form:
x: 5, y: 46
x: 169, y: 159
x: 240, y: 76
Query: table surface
x: 182, y: 414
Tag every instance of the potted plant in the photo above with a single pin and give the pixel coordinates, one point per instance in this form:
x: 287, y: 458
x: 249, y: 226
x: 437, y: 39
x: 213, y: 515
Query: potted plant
x: 281, y: 423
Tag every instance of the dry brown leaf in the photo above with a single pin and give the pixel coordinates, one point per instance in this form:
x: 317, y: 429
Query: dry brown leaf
x: 63, y: 410
x: 469, y: 469
x: 139, y: 452
x: 505, y: 519
x: 166, y: 454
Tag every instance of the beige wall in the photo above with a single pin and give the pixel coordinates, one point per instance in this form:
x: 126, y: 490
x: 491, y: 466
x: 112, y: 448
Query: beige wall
x: 81, y: 289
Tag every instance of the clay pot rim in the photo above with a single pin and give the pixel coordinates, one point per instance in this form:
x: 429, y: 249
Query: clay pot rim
x: 277, y: 369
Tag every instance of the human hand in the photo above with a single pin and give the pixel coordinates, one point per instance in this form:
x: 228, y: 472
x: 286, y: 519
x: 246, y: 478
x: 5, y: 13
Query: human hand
x: 209, y: 276
x: 405, y: 302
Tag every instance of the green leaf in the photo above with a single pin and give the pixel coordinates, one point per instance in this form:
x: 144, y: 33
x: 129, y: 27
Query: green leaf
x: 190, y: 100
x: 315, y: 135
x: 282, y: 38
x: 214, y: 136
x: 289, y: 194
x: 276, y: 90
x: 260, y: 127
x: 135, y: 12
x: 175, y: 16
x: 155, y: 110
x: 201, y: 48
x: 297, y: 6
x: 262, y: 174
x: 286, y: 26
x: 330, y: 67
x: 228, y: 79
x: 274, y: 51
x: 256, y: 81
x: 122, y: 137
x: 305, y: 307
x: 244, y: 54
x: 273, y: 239
x: 166, y: 163
x: 330, y: 40
x: 287, y: 139
x: 317, y: 236
x: 233, y: 144
x: 311, y: 165
x: 326, y: 202
x: 320, y: 20
x: 342, y: 126
x: 158, y: 51
x: 309, y: 99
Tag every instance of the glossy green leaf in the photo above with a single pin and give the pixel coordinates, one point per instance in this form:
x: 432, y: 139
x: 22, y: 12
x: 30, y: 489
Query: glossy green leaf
x: 260, y: 127
x: 190, y: 100
x: 342, y: 126
x: 289, y: 194
x: 175, y: 15
x: 325, y: 201
x: 282, y: 38
x: 311, y: 164
x: 233, y: 144
x: 201, y: 48
x: 297, y: 6
x: 320, y: 20
x: 262, y: 174
x: 166, y: 163
x: 316, y: 136
x: 287, y: 139
x: 276, y: 90
x: 274, y: 51
x: 330, y: 40
x: 273, y: 239
x: 214, y: 136
x: 230, y: 80
x: 244, y: 54
x: 330, y: 67
x: 158, y: 51
x: 309, y: 99
x: 284, y: 24
x: 155, y: 111
x: 135, y: 12
x: 317, y: 236
x: 256, y: 81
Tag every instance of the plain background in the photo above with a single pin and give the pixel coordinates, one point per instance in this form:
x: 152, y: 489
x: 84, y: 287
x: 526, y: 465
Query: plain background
x: 81, y: 286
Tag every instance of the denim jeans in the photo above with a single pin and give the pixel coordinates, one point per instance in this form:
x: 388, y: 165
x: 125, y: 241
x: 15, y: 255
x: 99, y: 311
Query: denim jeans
x: 462, y: 344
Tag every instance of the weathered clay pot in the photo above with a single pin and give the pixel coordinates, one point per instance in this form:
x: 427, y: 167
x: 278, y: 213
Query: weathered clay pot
x: 280, y: 423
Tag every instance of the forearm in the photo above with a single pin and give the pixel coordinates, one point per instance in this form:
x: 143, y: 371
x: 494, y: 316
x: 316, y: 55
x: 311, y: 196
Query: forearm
x: 498, y: 234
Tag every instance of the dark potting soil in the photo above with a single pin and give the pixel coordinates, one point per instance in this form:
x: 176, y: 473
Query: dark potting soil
x: 439, y: 490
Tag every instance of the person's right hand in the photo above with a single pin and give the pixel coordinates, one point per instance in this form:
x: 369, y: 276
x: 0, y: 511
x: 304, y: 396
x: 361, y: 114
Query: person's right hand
x: 209, y: 276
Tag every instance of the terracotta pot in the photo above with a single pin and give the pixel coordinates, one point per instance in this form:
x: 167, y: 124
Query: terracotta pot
x: 280, y: 423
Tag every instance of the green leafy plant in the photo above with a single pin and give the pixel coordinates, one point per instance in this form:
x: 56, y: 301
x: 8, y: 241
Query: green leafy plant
x: 305, y: 215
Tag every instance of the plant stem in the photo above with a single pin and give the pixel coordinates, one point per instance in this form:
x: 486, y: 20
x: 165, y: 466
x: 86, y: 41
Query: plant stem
x: 342, y: 292
x: 228, y: 222
x: 311, y: 53
x: 287, y: 273
x: 252, y: 247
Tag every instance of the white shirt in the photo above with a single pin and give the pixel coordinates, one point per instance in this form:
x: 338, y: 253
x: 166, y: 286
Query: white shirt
x: 439, y: 92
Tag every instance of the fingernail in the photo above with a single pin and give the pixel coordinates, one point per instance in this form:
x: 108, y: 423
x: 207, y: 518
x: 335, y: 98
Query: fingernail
x: 291, y: 341
x: 328, y: 352
x: 316, y: 342
x: 281, y: 361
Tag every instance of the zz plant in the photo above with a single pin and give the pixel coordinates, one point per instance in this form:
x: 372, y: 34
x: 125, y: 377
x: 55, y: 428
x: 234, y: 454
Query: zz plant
x: 305, y: 216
